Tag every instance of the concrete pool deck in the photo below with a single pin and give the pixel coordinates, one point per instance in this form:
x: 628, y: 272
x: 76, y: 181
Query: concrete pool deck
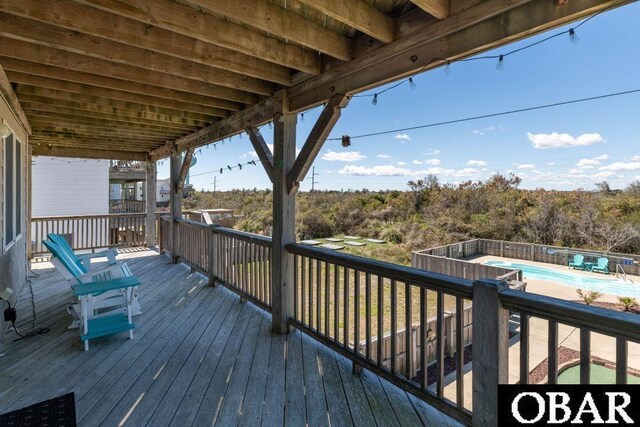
x: 602, y: 346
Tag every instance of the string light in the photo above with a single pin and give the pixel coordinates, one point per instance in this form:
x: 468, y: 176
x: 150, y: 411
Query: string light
x: 573, y: 37
x: 302, y: 117
x: 412, y: 84
x: 228, y: 167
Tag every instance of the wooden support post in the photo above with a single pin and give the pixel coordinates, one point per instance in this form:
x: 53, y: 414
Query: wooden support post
x: 533, y: 252
x: 213, y: 256
x: 284, y: 209
x: 502, y: 248
x: 150, y: 198
x: 28, y: 209
x: 490, y: 350
x: 175, y: 203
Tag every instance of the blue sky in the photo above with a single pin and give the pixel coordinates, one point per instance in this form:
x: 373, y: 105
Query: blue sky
x: 559, y: 148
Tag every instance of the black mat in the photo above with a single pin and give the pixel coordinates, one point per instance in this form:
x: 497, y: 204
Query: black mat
x: 58, y: 412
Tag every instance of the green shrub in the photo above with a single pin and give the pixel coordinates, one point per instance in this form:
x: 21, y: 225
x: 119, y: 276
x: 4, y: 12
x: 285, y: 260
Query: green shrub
x: 628, y: 303
x: 589, y: 297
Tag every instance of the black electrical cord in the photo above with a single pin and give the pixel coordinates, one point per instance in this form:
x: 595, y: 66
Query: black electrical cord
x: 34, y: 331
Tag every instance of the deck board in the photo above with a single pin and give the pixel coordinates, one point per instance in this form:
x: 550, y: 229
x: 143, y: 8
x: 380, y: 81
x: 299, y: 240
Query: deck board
x: 199, y: 356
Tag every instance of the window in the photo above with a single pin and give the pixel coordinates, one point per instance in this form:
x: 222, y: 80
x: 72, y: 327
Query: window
x: 12, y: 190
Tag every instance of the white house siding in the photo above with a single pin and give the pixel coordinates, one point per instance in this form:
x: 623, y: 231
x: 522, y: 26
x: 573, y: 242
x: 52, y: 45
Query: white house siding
x: 65, y: 186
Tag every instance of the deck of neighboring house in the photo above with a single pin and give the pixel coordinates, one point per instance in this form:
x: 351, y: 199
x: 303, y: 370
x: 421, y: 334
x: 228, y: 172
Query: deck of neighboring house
x: 199, y: 357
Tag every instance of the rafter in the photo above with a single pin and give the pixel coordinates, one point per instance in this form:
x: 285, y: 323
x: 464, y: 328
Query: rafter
x: 274, y: 19
x: 192, y: 22
x: 111, y: 113
x: 9, y: 95
x: 359, y: 15
x: 436, y: 8
x: 47, y: 83
x: 88, y: 20
x: 30, y: 52
x: 70, y: 75
x: 48, y: 35
x: 87, y: 153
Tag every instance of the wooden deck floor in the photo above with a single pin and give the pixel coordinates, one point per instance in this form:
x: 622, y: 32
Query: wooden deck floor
x: 198, y: 357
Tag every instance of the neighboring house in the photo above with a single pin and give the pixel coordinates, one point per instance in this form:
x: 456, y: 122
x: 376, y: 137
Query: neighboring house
x: 163, y: 192
x: 62, y: 187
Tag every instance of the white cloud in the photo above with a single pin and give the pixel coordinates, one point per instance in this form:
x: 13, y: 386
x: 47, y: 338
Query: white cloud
x: 543, y: 141
x: 589, y: 163
x: 343, y: 156
x: 417, y: 162
x: 401, y: 163
x: 432, y: 152
x: 432, y: 162
x: 477, y: 163
x: 383, y: 156
x: 386, y: 170
x: 551, y: 164
x: 636, y: 158
x: 478, y: 132
x: 403, y: 137
x: 527, y: 166
x: 621, y: 166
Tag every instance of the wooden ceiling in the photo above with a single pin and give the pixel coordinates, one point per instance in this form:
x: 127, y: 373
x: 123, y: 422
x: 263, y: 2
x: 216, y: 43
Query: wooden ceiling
x: 129, y: 78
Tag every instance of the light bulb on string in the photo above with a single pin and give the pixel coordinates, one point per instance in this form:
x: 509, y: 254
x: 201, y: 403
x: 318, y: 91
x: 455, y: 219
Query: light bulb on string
x: 302, y: 117
x: 412, y: 84
x: 447, y: 68
x: 500, y: 64
x: 239, y: 166
x: 374, y: 101
x: 573, y: 37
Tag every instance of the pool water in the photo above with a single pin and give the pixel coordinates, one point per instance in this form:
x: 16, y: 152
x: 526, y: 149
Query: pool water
x: 601, y: 284
x: 599, y: 375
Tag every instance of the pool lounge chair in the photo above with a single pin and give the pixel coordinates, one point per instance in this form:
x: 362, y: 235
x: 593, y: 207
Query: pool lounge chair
x: 578, y: 262
x: 75, y: 273
x: 104, y: 301
x: 602, y: 266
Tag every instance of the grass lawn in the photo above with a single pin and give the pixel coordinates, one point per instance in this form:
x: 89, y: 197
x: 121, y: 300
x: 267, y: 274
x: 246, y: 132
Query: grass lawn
x: 599, y: 375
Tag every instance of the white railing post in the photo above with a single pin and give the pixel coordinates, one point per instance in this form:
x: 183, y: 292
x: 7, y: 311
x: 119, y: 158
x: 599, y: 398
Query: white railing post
x: 490, y: 350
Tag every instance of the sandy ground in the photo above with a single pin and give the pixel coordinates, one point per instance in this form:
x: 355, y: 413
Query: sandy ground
x: 601, y: 345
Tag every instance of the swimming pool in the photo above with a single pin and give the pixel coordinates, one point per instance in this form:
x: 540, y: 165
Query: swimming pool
x: 601, y: 284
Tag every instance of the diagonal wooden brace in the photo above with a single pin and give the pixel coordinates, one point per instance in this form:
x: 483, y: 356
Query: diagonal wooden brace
x: 263, y: 151
x: 318, y: 135
x: 184, y: 169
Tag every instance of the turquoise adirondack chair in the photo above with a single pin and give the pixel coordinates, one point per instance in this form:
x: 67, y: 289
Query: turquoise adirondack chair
x: 602, y: 266
x: 578, y: 262
x: 104, y: 302
x: 85, y: 259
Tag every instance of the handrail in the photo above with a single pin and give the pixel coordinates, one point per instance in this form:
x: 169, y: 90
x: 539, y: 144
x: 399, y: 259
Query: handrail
x: 118, y: 215
x: 618, y: 273
x: 509, y: 274
x: 601, y: 320
x: 241, y: 235
x: 433, y: 281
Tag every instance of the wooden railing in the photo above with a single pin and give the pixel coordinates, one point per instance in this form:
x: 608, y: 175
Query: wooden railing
x: 127, y: 206
x: 344, y: 300
x: 89, y: 232
x: 462, y: 269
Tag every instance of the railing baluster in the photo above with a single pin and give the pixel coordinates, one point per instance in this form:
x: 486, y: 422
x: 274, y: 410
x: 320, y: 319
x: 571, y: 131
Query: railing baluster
x: 380, y: 305
x: 394, y: 325
x: 460, y: 352
x: 295, y: 286
x: 368, y: 315
x: 408, y: 332
x: 524, y: 348
x: 336, y: 305
x: 326, y: 299
x: 318, y: 295
x: 345, y: 274
x: 621, y: 360
x: 356, y: 311
x: 552, y: 353
x: 424, y: 338
x: 440, y: 345
x: 585, y: 356
x: 303, y: 317
x: 310, y: 292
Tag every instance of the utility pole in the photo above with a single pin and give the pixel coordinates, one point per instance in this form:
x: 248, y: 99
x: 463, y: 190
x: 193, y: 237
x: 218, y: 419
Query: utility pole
x: 313, y: 178
x: 215, y: 183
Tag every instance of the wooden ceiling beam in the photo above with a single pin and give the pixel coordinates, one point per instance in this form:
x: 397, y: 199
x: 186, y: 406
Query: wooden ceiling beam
x: 88, y: 20
x: 98, y: 143
x: 46, y: 110
x: 40, y: 54
x: 112, y: 111
x: 189, y: 21
x: 149, y: 142
x: 15, y: 65
x: 359, y: 15
x: 111, y: 95
x: 87, y: 153
x: 436, y: 8
x: 54, y: 125
x: 274, y: 19
x: 32, y: 31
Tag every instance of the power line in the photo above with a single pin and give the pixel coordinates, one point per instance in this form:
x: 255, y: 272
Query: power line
x: 486, y: 116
